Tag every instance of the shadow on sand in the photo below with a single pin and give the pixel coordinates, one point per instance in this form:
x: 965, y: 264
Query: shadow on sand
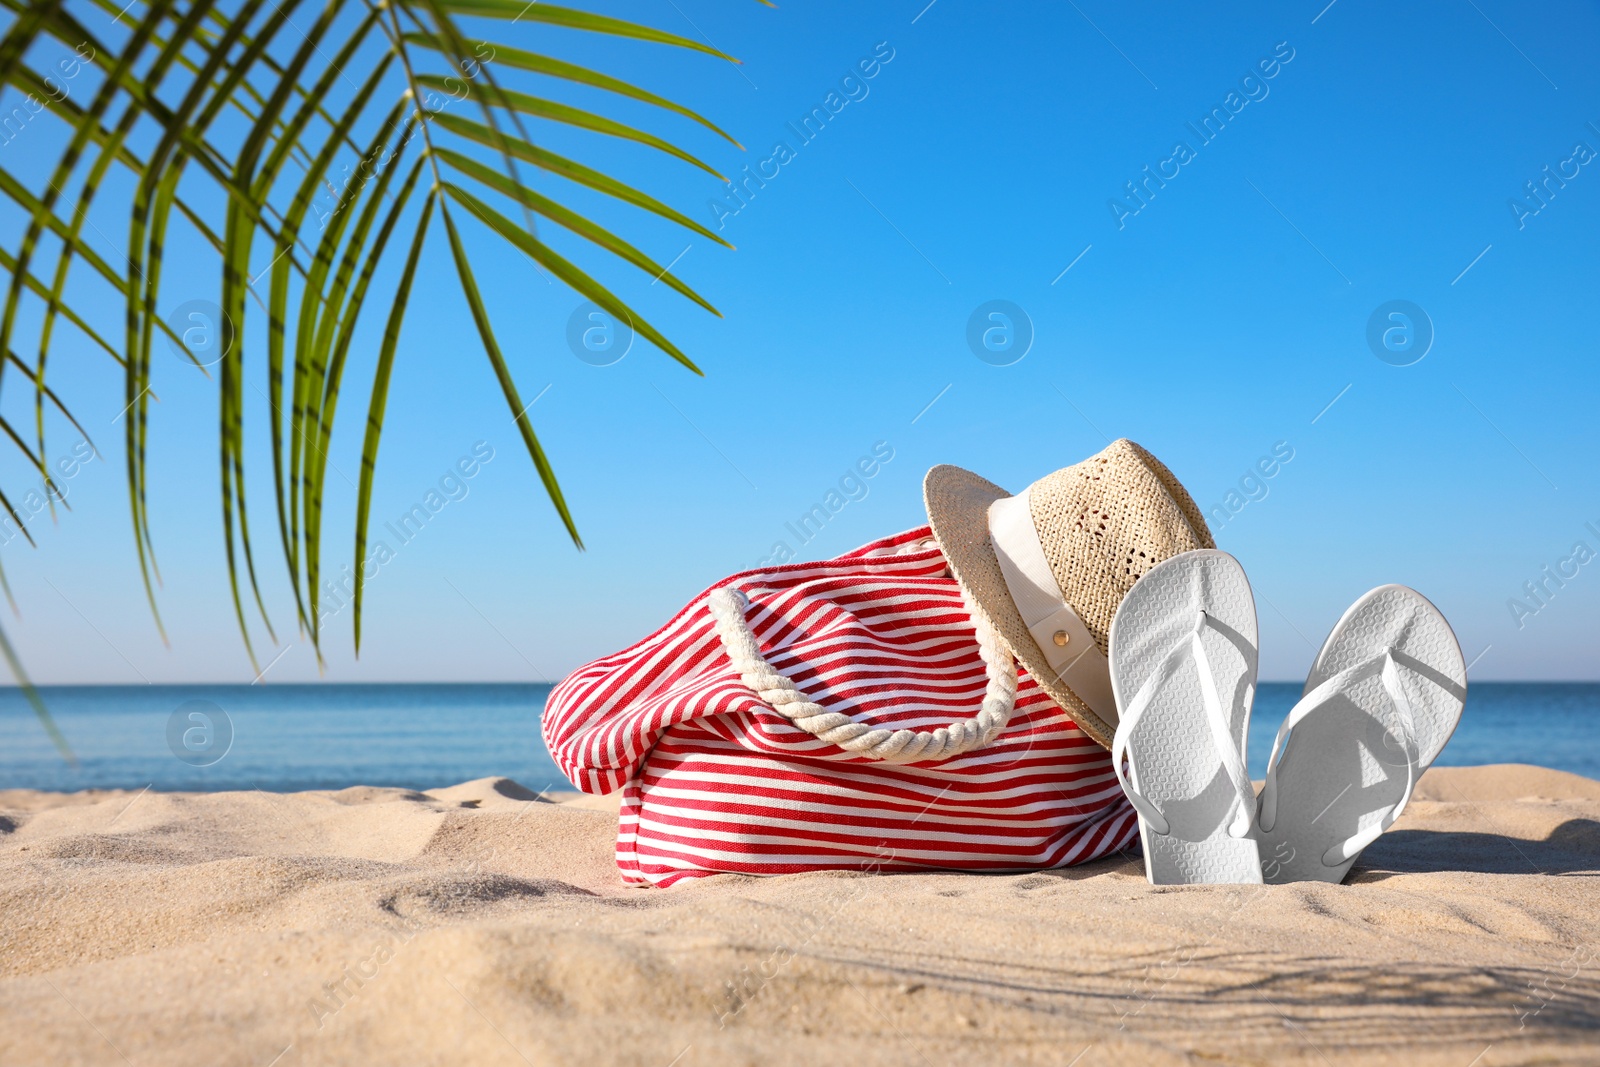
x: 1223, y: 998
x: 1572, y: 848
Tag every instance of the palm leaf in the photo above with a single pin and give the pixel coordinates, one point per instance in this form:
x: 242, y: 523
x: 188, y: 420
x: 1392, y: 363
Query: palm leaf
x: 32, y: 695
x: 556, y: 68
x: 379, y: 400
x: 480, y: 319
x: 252, y: 105
x: 575, y: 172
x: 573, y: 221
x: 518, y: 11
x: 571, y: 116
x: 565, y: 270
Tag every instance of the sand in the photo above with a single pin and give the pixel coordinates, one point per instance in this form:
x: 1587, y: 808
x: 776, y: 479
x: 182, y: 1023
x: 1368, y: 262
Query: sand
x: 481, y: 925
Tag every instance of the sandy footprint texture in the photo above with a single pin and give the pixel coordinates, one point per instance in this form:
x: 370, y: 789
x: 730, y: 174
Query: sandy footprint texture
x: 481, y: 924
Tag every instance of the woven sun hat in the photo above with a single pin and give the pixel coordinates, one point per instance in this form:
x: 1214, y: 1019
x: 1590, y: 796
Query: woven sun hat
x: 1048, y: 566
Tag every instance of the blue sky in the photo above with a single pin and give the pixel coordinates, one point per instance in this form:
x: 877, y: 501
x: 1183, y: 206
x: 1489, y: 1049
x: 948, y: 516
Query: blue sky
x: 984, y: 161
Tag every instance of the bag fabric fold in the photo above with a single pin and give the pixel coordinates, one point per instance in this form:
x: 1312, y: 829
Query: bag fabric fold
x: 716, y: 781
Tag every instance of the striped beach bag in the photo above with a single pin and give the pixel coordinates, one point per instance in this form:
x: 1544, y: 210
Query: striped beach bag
x: 853, y: 713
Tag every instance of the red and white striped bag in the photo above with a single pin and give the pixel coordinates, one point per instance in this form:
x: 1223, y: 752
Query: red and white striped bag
x: 717, y: 780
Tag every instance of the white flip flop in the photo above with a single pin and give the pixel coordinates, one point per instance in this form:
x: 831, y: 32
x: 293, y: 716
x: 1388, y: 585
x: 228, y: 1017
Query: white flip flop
x: 1183, y: 668
x: 1383, y: 697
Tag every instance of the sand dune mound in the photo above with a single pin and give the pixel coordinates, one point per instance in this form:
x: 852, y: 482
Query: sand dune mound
x: 483, y: 923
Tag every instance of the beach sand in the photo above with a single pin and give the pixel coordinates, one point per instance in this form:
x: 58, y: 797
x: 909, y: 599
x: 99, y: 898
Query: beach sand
x: 480, y: 925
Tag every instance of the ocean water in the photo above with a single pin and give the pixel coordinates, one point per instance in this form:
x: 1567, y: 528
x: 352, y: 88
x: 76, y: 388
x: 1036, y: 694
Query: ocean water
x: 283, y: 737
x: 1551, y: 724
x: 289, y: 737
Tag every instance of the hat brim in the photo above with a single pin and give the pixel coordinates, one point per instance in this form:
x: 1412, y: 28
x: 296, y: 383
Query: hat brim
x: 958, y: 510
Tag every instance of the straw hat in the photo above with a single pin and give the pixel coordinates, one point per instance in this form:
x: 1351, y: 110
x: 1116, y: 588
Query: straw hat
x: 1048, y: 567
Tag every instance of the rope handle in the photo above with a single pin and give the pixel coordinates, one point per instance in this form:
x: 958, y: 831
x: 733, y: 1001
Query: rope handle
x: 728, y: 606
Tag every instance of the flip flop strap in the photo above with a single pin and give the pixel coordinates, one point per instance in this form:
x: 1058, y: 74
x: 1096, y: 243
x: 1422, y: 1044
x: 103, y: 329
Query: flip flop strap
x: 1387, y: 668
x: 1221, y: 731
x: 728, y: 605
x: 1353, y: 845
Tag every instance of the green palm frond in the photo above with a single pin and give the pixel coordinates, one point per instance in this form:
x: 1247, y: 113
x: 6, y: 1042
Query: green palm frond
x: 221, y: 120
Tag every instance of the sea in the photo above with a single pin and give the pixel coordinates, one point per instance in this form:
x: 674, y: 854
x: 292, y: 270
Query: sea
x: 281, y: 738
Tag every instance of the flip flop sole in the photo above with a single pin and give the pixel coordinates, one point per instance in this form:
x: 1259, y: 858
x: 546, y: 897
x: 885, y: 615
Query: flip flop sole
x: 1173, y: 760
x: 1343, y: 767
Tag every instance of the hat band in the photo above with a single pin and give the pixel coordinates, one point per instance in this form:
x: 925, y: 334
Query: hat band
x: 1062, y: 636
